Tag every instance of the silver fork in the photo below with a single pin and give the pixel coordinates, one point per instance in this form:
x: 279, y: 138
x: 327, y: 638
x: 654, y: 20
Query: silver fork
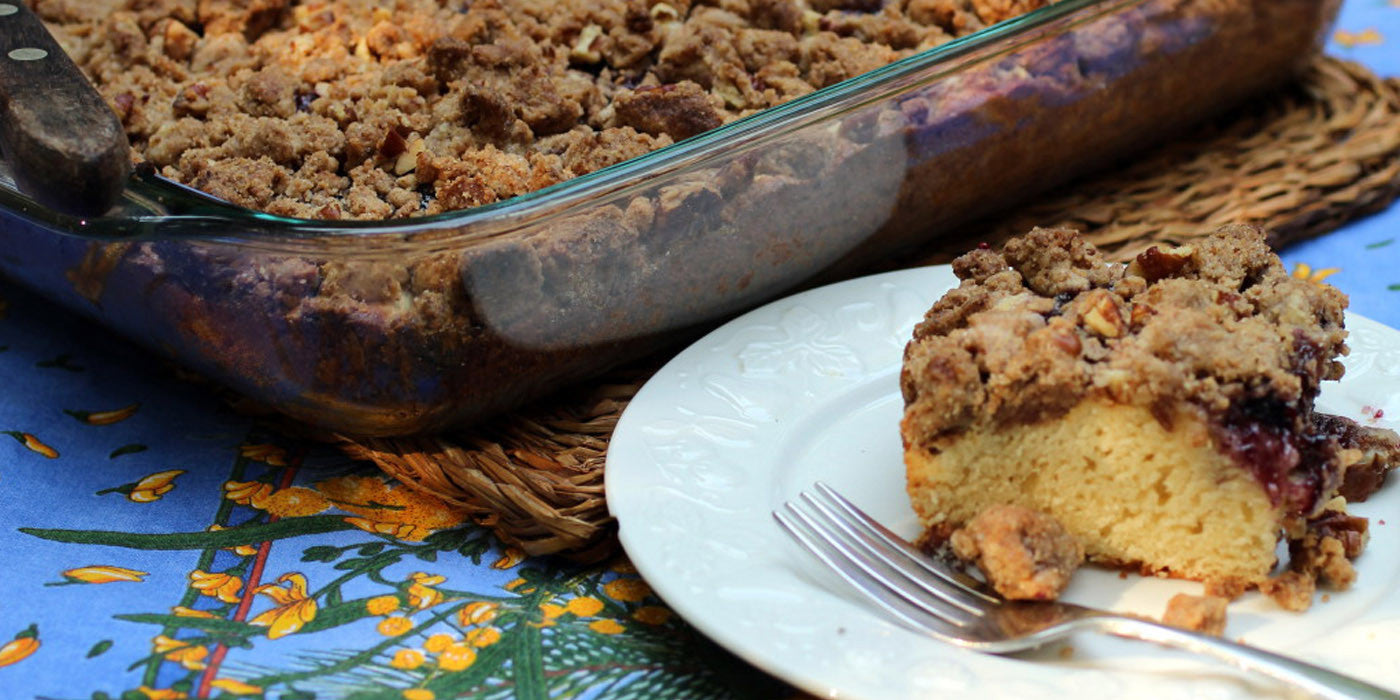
x: 932, y: 598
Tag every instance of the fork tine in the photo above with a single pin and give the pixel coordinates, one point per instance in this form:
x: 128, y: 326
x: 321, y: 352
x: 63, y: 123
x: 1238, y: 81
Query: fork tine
x: 889, y: 558
x: 910, y: 614
x: 872, y: 527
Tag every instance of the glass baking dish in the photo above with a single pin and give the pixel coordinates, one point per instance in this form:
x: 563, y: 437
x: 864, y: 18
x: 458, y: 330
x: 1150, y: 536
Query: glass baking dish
x: 407, y: 326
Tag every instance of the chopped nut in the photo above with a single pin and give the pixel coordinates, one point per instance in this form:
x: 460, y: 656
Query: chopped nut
x: 1292, y: 590
x: 1139, y: 314
x: 583, y: 47
x: 662, y: 12
x: 179, y: 40
x: 408, y: 160
x: 393, y: 144
x: 1205, y: 614
x: 1154, y: 264
x: 1103, y: 317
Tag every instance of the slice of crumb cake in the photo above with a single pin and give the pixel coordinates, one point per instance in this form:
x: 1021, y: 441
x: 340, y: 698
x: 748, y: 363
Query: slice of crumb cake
x: 1161, y: 411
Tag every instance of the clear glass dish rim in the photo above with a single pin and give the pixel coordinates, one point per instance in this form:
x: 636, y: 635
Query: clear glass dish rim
x: 210, y: 219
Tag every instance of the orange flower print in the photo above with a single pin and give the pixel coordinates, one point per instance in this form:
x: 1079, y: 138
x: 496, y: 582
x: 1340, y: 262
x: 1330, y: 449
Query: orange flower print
x: 294, y: 609
x: 183, y: 611
x: 389, y: 509
x: 161, y: 693
x: 421, y: 593
x: 103, y: 574
x: 105, y: 417
x: 21, y: 647
x: 652, y: 615
x: 1367, y: 36
x: 418, y: 694
x: 627, y: 590
x: 407, y: 659
x: 437, y: 643
x: 221, y: 586
x: 394, y: 626
x: 477, y: 612
x: 181, y: 652
x: 253, y: 494
x: 606, y: 626
x: 235, y: 687
x: 266, y: 453
x: 295, y: 502
x: 1304, y: 271
x: 382, y: 605
x: 457, y: 657
x: 153, y: 486
x: 584, y: 606
x: 242, y: 550
x: 482, y: 637
x: 33, y: 444
x: 510, y: 559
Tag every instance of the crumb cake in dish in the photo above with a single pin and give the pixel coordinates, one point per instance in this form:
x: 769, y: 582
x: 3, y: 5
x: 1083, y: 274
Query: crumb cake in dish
x: 376, y: 319
x: 1161, y: 411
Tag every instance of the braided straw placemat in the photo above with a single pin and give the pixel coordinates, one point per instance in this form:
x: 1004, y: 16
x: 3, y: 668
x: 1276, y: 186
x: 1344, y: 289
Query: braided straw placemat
x: 1300, y: 163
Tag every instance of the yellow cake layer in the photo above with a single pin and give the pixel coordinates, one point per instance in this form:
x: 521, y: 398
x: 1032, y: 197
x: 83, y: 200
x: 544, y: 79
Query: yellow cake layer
x: 1133, y: 492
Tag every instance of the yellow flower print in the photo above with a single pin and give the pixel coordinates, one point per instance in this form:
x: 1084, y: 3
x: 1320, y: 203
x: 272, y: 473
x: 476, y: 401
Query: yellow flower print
x: 627, y: 590
x: 187, y: 655
x: 652, y: 615
x: 183, y: 611
x: 418, y: 694
x: 510, y: 559
x: 483, y: 637
x: 33, y: 444
x: 606, y: 626
x: 242, y: 550
x: 161, y: 693
x: 382, y: 605
x: 477, y: 612
x: 407, y: 659
x: 235, y: 687
x: 518, y: 586
x: 389, y: 509
x: 103, y: 574
x: 1304, y: 271
x: 394, y: 626
x: 294, y: 609
x: 421, y: 593
x: 248, y: 493
x: 295, y: 502
x: 153, y: 486
x: 1366, y: 36
x: 457, y: 657
x: 264, y: 452
x: 584, y: 606
x: 21, y: 647
x: 436, y: 643
x: 221, y: 586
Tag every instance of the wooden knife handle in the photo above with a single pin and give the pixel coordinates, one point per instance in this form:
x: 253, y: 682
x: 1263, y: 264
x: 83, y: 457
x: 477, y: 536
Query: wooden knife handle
x: 66, y: 147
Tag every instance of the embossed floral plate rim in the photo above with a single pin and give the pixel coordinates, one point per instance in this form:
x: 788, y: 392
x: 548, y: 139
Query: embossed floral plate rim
x: 807, y: 387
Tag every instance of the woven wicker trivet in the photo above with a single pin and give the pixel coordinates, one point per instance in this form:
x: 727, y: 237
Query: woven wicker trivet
x: 1300, y: 163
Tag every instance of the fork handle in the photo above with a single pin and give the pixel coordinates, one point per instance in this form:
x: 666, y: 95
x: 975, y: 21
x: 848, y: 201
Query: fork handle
x: 1313, y: 679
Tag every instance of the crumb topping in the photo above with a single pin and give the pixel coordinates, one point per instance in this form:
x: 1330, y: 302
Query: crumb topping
x: 1205, y: 614
x: 352, y: 109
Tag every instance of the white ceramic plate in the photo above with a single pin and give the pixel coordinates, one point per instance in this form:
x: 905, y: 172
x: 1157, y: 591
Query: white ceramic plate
x: 806, y: 389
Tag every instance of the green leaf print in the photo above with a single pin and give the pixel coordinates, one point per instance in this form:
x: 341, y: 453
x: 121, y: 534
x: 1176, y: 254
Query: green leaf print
x: 231, y: 537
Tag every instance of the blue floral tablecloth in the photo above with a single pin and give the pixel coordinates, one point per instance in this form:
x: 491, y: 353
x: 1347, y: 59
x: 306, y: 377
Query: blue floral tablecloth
x: 160, y: 546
